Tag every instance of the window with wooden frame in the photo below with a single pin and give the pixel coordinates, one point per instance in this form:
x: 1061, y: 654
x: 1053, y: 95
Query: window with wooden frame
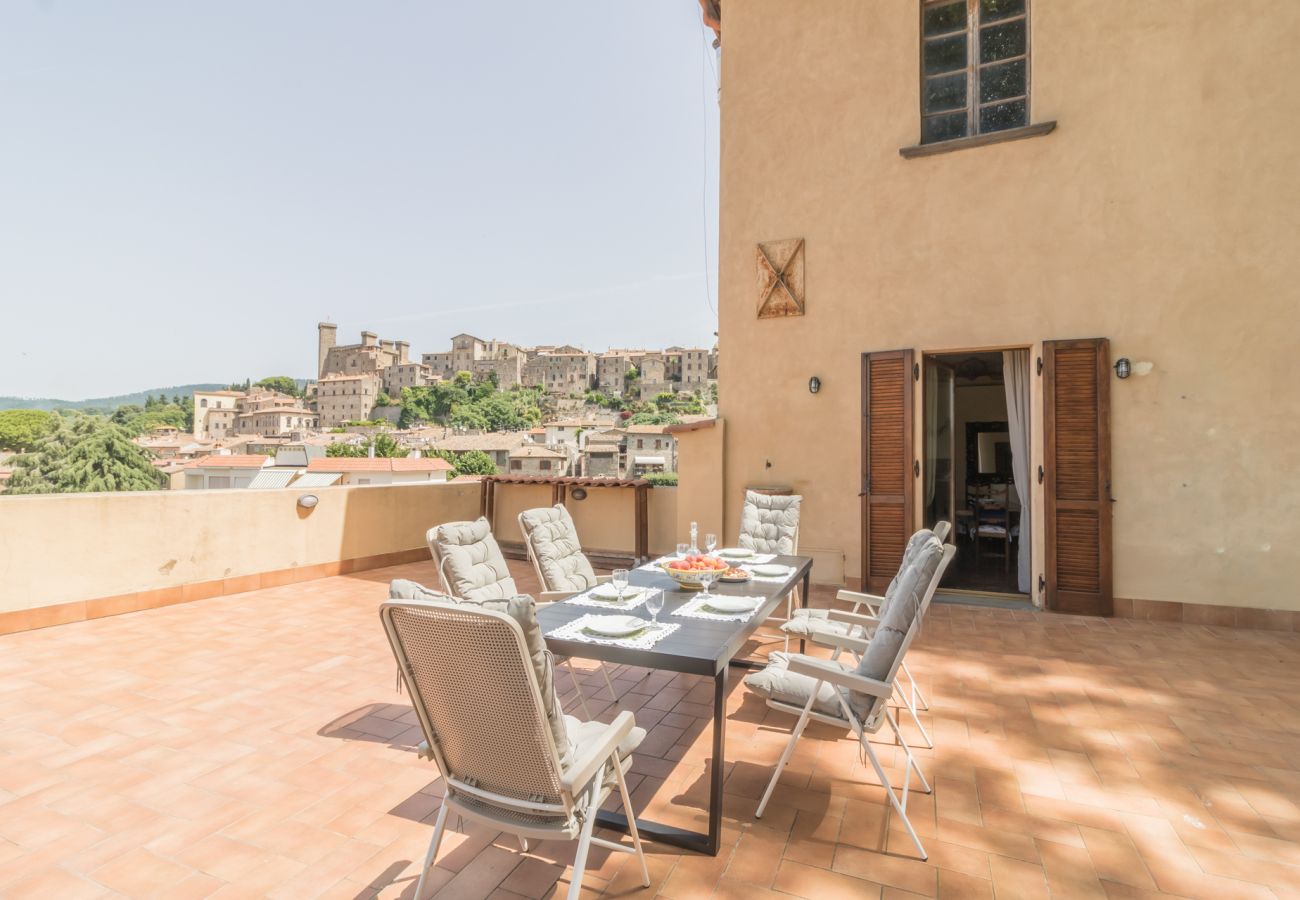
x: 974, y: 67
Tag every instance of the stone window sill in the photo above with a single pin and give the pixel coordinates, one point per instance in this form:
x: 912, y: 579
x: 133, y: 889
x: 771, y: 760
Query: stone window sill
x: 978, y: 140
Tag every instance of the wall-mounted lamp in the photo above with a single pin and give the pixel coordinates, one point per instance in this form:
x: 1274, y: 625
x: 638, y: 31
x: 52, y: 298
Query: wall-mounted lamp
x: 578, y: 493
x: 308, y: 501
x: 814, y: 384
x: 1123, y: 368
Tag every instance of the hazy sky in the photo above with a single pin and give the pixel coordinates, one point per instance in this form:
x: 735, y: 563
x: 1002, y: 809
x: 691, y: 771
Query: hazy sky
x: 186, y: 188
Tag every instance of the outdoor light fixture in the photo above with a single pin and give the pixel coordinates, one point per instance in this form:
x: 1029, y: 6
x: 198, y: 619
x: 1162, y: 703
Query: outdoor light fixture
x: 814, y: 384
x: 308, y: 501
x: 578, y: 493
x: 1123, y: 368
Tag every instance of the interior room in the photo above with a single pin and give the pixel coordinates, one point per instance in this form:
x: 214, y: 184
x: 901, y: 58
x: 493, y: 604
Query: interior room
x: 970, y: 454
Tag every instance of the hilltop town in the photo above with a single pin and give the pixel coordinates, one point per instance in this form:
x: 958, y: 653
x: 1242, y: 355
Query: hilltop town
x: 377, y: 415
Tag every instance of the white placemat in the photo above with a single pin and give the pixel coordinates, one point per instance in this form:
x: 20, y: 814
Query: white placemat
x: 629, y: 601
x: 776, y: 579
x: 653, y: 566
x: 699, y: 609
x: 642, y: 640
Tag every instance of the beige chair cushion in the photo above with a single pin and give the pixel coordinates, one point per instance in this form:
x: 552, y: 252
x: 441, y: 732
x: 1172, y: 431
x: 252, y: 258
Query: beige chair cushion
x: 806, y: 623
x: 472, y: 561
x: 914, y: 545
x: 776, y: 682
x: 584, y: 734
x: 769, y: 523
x: 523, y: 610
x: 555, y: 545
x: 896, y: 617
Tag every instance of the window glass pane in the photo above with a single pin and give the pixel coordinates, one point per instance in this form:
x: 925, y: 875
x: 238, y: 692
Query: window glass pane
x: 1000, y: 82
x: 943, y: 128
x: 945, y: 54
x: 1003, y: 116
x: 1001, y: 41
x: 944, y: 93
x: 938, y: 19
x: 992, y: 10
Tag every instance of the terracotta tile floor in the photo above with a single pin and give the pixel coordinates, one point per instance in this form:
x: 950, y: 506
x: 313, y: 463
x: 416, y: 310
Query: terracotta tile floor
x: 254, y: 746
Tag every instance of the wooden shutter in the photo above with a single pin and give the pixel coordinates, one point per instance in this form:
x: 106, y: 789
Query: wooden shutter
x: 1076, y: 454
x: 887, y: 473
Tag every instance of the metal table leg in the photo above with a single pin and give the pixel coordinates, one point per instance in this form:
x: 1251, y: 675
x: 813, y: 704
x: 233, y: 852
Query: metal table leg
x: 681, y: 837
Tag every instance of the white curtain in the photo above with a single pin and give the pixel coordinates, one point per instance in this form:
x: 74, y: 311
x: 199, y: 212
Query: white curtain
x: 1015, y: 375
x: 931, y: 395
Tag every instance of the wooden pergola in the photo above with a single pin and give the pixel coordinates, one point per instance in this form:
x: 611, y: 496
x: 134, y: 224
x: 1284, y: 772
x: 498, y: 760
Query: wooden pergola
x: 561, y: 485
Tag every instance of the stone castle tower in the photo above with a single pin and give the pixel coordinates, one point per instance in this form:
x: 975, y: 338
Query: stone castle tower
x: 327, y: 338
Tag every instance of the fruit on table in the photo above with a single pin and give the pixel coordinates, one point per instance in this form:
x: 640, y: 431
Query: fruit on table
x: 698, y: 563
x: 735, y: 573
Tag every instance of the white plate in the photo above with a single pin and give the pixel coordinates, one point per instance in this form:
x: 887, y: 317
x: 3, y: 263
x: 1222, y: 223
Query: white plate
x: 735, y: 553
x: 617, y: 626
x: 731, y: 604
x: 609, y: 592
x: 770, y: 571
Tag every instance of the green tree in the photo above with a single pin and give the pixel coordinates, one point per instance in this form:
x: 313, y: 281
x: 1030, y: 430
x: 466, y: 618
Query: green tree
x: 339, y: 448
x: 86, y: 453
x: 384, y: 446
x: 20, y: 429
x: 473, y: 462
x: 649, y: 417
x: 280, y: 383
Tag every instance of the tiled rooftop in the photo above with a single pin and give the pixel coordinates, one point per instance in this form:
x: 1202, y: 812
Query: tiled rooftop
x: 254, y: 745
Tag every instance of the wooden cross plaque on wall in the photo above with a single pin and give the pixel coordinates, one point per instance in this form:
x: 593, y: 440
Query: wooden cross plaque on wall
x: 780, y: 278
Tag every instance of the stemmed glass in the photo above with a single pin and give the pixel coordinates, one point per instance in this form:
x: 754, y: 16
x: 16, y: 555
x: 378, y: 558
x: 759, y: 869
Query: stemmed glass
x: 706, y: 579
x: 619, y: 580
x: 710, y: 542
x: 683, y: 550
x: 654, y: 601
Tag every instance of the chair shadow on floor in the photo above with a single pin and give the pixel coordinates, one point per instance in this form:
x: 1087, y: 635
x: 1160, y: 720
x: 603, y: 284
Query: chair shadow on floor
x: 393, y: 724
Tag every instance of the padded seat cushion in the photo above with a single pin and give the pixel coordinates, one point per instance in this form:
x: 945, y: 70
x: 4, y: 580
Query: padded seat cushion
x: 583, y: 734
x: 472, y: 561
x: 523, y: 610
x: 806, y: 623
x: 776, y: 682
x: 881, y: 659
x: 769, y: 523
x: 555, y: 546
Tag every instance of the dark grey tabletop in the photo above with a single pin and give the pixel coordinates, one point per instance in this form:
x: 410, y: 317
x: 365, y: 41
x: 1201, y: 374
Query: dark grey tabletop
x: 700, y: 646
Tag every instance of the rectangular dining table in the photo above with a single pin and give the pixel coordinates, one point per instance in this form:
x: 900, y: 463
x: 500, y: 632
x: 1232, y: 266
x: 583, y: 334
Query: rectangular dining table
x: 700, y: 647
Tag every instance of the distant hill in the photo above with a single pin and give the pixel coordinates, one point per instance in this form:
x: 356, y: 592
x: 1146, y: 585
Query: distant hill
x: 181, y: 390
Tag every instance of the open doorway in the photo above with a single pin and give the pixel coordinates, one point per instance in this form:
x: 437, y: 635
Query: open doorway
x: 970, y: 455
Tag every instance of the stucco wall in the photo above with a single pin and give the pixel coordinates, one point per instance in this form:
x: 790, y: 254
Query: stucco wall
x: 1162, y: 214
x: 72, y: 547
x: 605, y: 520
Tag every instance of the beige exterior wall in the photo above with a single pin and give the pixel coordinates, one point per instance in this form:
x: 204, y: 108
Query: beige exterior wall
x: 130, y: 542
x: 699, y: 481
x: 1160, y: 214
x: 604, y: 520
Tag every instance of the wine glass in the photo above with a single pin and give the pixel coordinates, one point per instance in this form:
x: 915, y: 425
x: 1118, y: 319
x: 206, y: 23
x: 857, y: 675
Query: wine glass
x: 710, y: 542
x: 654, y: 601
x: 682, y: 550
x: 619, y: 580
x: 706, y: 578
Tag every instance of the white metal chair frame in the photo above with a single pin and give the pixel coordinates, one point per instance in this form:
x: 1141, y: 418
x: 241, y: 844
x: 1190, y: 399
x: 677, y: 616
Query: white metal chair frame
x: 583, y: 786
x: 863, y: 626
x: 832, y: 673
x: 549, y: 595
